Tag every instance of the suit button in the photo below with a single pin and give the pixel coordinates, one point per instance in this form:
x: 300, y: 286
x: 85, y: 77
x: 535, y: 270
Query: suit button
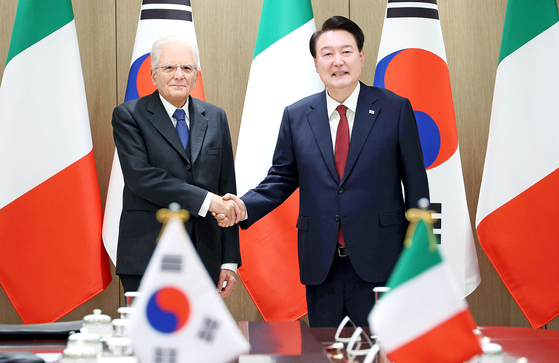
x: 341, y: 190
x: 337, y: 217
x: 188, y: 167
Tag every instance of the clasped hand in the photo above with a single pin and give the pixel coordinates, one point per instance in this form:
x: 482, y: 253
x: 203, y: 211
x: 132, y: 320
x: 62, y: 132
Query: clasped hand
x: 228, y: 209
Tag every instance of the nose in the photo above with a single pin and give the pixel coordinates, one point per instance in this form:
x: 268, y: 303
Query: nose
x: 178, y: 73
x: 338, y: 60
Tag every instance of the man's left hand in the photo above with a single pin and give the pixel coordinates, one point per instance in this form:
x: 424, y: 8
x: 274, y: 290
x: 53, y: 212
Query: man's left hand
x: 230, y: 278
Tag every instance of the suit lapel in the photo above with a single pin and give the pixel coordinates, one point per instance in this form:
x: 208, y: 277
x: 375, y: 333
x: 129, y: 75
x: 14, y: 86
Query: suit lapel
x: 161, y: 121
x: 365, y: 116
x: 198, y: 127
x: 318, y: 121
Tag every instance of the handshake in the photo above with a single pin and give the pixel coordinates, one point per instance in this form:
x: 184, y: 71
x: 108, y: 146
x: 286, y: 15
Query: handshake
x: 228, y: 209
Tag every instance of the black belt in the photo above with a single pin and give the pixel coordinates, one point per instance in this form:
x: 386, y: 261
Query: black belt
x: 342, y: 251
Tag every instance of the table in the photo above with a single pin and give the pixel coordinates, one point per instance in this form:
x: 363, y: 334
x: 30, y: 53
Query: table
x: 537, y: 345
x: 294, y: 342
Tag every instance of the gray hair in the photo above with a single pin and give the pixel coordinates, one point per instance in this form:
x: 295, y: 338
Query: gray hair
x: 161, y: 43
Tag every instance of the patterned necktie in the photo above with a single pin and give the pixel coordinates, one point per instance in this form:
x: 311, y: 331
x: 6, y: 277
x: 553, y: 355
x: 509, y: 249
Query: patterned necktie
x: 182, y: 127
x: 340, y: 155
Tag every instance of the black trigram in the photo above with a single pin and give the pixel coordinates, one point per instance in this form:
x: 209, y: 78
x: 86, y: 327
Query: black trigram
x: 161, y: 11
x: 165, y: 355
x: 438, y: 208
x: 171, y: 263
x: 208, y: 329
x: 420, y: 9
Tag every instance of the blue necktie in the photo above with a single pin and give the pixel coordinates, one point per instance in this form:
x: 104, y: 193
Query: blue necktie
x: 182, y: 127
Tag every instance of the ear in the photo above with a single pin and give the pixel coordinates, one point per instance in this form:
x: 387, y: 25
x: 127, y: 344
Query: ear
x: 362, y: 56
x: 152, y: 75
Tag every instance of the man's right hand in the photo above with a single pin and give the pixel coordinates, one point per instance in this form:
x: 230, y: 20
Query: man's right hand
x: 223, y: 220
x: 227, y: 209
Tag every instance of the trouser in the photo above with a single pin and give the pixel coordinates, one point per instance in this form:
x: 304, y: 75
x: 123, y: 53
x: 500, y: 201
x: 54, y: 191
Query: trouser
x: 130, y: 282
x: 342, y: 293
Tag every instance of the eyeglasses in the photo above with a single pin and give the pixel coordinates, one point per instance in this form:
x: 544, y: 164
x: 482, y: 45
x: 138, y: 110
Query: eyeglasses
x: 172, y: 68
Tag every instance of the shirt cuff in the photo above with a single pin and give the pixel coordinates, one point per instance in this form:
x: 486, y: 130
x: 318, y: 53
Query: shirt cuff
x: 206, y: 205
x: 230, y: 266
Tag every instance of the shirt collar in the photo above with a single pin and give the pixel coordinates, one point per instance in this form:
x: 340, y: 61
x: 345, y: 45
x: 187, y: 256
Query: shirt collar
x: 170, y: 109
x: 350, y: 102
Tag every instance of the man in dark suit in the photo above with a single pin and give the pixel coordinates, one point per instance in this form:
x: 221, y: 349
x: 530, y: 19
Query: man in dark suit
x: 350, y: 163
x: 175, y: 148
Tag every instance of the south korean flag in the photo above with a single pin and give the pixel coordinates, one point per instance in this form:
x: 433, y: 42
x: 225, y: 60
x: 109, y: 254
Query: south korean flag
x: 178, y: 316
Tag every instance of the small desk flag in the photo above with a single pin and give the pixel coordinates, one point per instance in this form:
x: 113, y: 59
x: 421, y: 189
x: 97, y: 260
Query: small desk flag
x: 424, y: 318
x: 178, y: 315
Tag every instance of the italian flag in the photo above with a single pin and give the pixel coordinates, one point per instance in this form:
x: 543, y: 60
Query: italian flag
x: 517, y: 219
x: 424, y: 317
x: 157, y: 19
x: 51, y: 254
x: 270, y: 270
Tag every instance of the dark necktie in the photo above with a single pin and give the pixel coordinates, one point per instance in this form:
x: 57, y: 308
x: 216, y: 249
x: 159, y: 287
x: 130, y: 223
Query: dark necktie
x: 182, y: 127
x: 340, y: 155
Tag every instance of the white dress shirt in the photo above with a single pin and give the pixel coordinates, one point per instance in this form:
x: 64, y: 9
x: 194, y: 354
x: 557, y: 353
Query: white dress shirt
x: 334, y: 116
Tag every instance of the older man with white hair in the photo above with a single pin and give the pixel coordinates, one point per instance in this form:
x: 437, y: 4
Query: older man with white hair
x: 175, y: 148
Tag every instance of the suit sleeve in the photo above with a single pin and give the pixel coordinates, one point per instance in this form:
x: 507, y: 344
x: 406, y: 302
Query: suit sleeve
x: 154, y: 184
x: 412, y: 167
x: 282, y: 179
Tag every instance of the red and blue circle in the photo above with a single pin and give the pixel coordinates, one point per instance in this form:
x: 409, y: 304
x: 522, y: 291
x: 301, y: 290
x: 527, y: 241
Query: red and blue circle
x: 422, y: 77
x: 168, y: 310
x: 139, y: 79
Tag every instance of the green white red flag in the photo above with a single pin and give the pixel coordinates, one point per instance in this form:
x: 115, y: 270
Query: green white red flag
x: 424, y: 318
x: 270, y: 270
x: 51, y: 253
x: 517, y: 210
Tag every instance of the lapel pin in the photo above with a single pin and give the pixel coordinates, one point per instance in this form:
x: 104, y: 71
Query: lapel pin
x: 371, y: 112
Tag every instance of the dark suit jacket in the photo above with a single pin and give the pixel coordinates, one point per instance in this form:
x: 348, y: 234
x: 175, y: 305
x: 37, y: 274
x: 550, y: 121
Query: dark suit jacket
x: 384, y: 153
x: 158, y: 171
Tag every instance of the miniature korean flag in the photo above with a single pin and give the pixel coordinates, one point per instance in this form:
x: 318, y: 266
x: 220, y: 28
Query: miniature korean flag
x: 179, y: 316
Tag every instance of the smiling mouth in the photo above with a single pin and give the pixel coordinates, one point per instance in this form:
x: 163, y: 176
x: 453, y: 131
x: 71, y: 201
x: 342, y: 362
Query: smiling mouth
x: 336, y: 74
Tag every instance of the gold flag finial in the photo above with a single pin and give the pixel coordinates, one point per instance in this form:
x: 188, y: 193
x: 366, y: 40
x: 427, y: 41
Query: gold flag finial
x: 164, y: 215
x: 414, y: 215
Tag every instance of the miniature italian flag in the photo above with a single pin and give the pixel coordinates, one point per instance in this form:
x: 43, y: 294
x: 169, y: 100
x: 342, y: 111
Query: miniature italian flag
x: 423, y: 317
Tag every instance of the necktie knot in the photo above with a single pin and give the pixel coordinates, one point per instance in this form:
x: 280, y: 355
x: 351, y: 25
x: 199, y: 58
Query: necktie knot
x: 179, y: 114
x: 341, y: 110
